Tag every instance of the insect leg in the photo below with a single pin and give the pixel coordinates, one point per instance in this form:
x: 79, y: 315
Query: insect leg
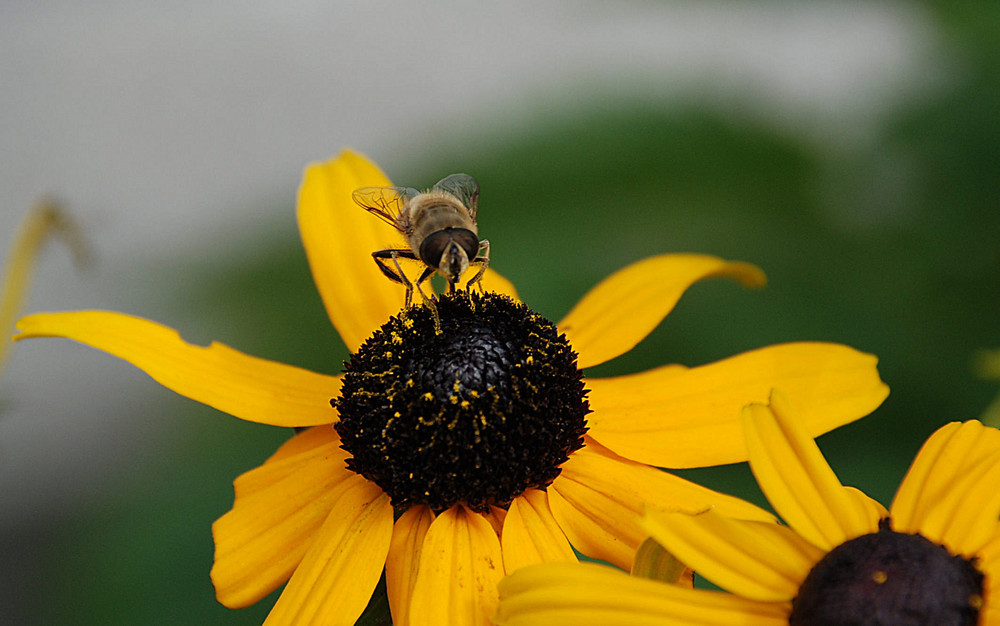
x: 428, y: 271
x: 396, y: 276
x: 482, y: 260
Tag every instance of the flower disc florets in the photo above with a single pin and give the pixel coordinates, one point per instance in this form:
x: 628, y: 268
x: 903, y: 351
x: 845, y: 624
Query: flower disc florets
x: 890, y: 578
x: 489, y: 406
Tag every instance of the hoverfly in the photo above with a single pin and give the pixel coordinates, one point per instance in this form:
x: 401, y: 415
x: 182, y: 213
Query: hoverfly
x: 439, y: 225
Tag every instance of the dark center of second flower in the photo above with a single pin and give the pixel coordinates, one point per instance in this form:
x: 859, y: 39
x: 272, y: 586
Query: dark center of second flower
x: 475, y: 414
x: 888, y: 578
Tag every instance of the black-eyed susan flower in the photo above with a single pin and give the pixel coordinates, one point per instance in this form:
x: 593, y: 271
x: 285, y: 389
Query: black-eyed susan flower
x: 451, y: 458
x: 842, y: 559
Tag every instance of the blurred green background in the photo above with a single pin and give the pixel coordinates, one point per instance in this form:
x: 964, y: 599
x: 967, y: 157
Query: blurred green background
x: 891, y: 247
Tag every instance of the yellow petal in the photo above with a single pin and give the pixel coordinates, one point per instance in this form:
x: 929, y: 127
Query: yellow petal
x: 625, y: 307
x: 675, y: 417
x: 531, y: 534
x: 966, y: 516
x: 495, y: 516
x: 989, y: 555
x: 869, y: 508
x: 335, y: 580
x: 599, y: 497
x: 654, y: 561
x: 797, y: 480
x: 460, y: 566
x: 946, y: 454
x: 989, y: 616
x: 247, y: 387
x: 339, y: 237
x: 404, y: 558
x: 922, y: 484
x: 43, y: 220
x: 319, y: 445
x: 988, y: 562
x: 587, y: 594
x: 305, y: 441
x: 756, y: 560
x: 278, y: 509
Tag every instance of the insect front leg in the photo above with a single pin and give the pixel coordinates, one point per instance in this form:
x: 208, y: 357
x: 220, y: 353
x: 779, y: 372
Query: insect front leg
x: 424, y: 275
x: 396, y: 275
x: 429, y: 301
x: 482, y: 260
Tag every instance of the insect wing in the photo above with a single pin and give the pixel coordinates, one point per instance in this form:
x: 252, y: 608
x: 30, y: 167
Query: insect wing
x: 463, y: 187
x: 384, y: 202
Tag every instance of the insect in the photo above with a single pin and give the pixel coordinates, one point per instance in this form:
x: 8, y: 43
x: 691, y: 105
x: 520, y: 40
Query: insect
x: 439, y: 225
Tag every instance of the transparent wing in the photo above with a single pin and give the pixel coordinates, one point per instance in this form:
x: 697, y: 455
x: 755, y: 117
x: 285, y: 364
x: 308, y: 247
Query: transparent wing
x: 463, y: 187
x: 385, y: 202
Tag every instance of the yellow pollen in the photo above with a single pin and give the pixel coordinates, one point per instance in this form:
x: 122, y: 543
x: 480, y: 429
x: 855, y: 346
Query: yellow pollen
x: 457, y: 386
x: 529, y: 360
x: 466, y: 404
x: 408, y: 323
x: 428, y: 396
x: 388, y: 354
x: 473, y: 393
x: 397, y: 339
x: 453, y: 399
x: 880, y: 577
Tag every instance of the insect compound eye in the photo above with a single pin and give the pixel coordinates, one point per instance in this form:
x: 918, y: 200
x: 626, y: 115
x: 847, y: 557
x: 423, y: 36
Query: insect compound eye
x: 468, y: 240
x: 450, y: 250
x: 434, y: 246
